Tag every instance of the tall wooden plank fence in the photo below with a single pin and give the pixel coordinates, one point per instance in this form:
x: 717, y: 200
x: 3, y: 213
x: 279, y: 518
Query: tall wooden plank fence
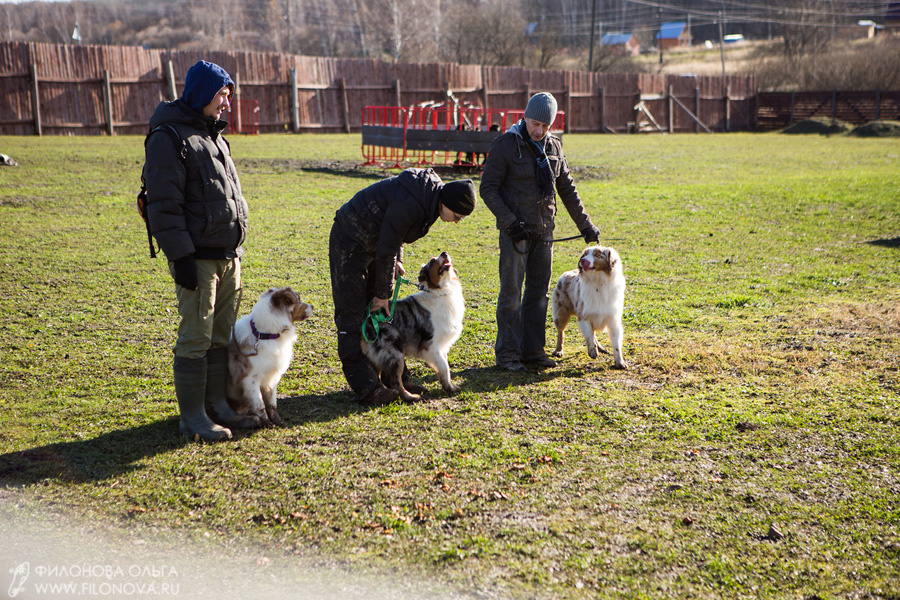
x: 109, y: 90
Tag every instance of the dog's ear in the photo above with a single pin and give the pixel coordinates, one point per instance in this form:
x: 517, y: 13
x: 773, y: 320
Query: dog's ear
x: 285, y: 299
x: 423, y: 272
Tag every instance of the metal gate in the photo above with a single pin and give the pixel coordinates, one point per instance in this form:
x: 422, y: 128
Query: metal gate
x: 442, y: 135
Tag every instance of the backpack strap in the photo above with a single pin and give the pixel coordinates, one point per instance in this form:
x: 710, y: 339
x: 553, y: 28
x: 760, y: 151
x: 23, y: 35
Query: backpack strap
x: 181, y: 144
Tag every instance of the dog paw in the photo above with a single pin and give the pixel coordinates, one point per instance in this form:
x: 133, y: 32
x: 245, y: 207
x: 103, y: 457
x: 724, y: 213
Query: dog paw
x: 451, y: 389
x: 592, y: 351
x: 557, y: 353
x: 621, y: 365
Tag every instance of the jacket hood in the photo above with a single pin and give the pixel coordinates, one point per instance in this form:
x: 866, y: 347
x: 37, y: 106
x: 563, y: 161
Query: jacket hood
x: 179, y: 112
x: 415, y: 181
x: 203, y: 82
x: 517, y: 128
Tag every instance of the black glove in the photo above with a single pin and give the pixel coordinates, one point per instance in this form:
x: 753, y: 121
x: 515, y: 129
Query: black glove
x: 186, y: 272
x: 591, y: 234
x: 518, y: 232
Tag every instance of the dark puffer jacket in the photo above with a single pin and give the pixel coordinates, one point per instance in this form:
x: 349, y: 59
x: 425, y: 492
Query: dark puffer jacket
x: 195, y: 205
x: 509, y: 185
x: 384, y: 216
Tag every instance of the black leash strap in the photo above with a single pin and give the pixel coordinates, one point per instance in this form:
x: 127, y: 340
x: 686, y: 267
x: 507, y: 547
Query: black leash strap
x: 532, y: 241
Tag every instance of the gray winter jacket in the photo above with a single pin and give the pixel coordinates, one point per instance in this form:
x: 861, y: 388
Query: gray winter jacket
x: 509, y: 184
x: 194, y: 204
x: 387, y: 214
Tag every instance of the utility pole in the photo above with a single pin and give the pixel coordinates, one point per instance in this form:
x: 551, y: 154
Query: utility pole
x: 593, y: 29
x: 659, y: 35
x: 721, y: 43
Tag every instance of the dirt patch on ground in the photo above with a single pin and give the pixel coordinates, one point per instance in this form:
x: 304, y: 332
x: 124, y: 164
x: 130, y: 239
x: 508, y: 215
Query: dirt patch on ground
x: 882, y: 129
x: 354, y: 169
x: 820, y: 126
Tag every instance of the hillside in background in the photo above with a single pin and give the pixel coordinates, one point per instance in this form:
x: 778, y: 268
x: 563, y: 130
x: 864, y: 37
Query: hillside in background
x: 806, y: 44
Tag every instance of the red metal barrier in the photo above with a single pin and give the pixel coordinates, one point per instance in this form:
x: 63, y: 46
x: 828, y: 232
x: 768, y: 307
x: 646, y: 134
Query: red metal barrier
x: 439, y: 135
x: 245, y: 116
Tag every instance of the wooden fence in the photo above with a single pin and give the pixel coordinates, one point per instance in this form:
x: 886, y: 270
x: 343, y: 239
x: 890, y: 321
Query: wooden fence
x: 90, y: 90
x: 778, y: 110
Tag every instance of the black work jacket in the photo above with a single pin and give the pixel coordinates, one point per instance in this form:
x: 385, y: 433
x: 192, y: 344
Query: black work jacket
x: 194, y: 203
x: 384, y: 216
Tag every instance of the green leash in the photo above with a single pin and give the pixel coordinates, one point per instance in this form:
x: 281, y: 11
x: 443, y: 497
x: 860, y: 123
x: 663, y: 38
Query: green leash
x: 373, y: 320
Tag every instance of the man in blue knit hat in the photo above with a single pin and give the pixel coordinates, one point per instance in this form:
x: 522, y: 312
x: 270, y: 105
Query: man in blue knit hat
x: 198, y: 215
x: 524, y: 171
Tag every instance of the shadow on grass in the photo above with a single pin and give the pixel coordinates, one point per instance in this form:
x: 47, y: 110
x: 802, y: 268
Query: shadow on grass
x: 96, y: 459
x: 892, y: 243
x: 114, y: 453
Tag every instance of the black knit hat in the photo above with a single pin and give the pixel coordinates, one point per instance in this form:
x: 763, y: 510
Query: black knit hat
x: 459, y: 196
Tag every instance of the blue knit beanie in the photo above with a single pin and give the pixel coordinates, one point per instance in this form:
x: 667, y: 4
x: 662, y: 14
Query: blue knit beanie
x: 203, y: 82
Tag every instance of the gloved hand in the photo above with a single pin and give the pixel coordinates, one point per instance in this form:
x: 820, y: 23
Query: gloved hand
x: 186, y: 272
x: 590, y: 234
x: 518, y: 232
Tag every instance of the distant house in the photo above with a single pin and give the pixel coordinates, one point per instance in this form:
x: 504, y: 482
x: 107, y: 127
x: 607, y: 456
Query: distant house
x: 621, y: 43
x: 672, y: 35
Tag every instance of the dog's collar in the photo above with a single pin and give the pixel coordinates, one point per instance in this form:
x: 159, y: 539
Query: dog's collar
x: 262, y: 336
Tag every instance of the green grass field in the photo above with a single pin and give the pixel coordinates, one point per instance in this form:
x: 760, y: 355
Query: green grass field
x: 762, y: 325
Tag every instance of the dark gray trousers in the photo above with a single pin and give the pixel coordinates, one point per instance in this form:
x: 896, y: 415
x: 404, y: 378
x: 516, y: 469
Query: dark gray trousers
x: 522, y: 317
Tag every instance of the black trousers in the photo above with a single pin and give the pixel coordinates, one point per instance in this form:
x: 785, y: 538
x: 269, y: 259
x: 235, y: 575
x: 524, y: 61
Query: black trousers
x: 352, y: 287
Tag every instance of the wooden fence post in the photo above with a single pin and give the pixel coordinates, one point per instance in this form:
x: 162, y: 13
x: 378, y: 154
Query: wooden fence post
x: 602, y: 111
x: 671, y: 104
x: 833, y: 104
x: 239, y: 126
x: 697, y: 109
x: 35, y: 101
x: 295, y: 103
x: 346, y: 104
x: 793, y: 99
x: 397, y: 93
x: 878, y: 104
x: 728, y: 108
x: 107, y: 101
x: 170, y: 75
x: 568, y: 106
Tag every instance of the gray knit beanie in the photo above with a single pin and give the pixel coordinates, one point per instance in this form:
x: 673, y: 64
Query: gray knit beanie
x: 541, y: 107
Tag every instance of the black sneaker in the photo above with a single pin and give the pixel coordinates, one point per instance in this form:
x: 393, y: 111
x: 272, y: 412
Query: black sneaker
x: 541, y: 362
x: 380, y: 396
x: 512, y: 365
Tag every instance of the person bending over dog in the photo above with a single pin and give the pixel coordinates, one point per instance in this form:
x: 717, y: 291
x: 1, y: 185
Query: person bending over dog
x: 365, y: 253
x: 524, y: 171
x: 198, y: 215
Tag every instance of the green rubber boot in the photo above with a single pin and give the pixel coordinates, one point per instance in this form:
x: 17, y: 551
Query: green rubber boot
x: 190, y: 390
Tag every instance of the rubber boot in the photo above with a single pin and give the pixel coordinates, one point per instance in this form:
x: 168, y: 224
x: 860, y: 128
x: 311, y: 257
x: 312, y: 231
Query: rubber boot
x: 217, y: 406
x: 190, y: 390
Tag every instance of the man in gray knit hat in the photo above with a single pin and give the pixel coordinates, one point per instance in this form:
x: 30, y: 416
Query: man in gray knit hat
x: 524, y: 171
